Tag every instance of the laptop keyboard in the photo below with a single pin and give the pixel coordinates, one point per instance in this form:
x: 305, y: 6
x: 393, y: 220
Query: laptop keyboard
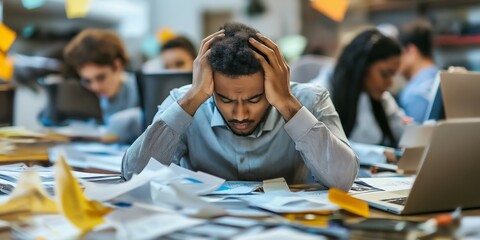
x: 399, y: 201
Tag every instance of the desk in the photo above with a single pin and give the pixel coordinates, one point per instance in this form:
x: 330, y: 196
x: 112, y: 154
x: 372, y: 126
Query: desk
x: 349, y: 218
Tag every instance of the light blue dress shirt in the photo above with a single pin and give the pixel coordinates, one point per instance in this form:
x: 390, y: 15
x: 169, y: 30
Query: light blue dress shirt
x: 311, y: 146
x: 416, y: 96
x: 122, y: 114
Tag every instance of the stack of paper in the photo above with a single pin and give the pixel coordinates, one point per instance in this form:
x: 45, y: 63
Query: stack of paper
x: 90, y: 155
x: 85, y: 131
x: 288, y: 202
x: 10, y: 174
x: 20, y: 144
x: 389, y: 183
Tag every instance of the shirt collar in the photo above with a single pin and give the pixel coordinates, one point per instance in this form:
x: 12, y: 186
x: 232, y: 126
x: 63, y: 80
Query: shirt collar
x: 426, y: 73
x: 217, y: 119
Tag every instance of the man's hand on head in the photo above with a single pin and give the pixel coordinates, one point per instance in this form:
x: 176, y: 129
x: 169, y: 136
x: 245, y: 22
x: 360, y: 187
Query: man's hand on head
x: 202, y: 82
x: 277, y: 77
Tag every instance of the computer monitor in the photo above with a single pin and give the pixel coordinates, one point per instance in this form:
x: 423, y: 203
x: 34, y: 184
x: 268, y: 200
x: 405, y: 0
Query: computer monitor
x: 154, y: 88
x: 461, y: 94
x: 69, y: 100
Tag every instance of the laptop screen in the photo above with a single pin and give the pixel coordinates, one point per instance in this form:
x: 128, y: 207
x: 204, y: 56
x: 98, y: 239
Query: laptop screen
x: 460, y: 93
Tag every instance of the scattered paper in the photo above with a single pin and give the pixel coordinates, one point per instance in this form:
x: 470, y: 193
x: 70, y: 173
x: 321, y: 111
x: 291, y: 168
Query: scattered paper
x: 335, y: 10
x: 281, y: 233
x: 236, y: 206
x: 169, y: 187
x: 237, y: 222
x: 81, y: 212
x: 105, y: 192
x: 360, y: 188
x: 211, y: 231
x: 390, y: 183
x: 469, y: 228
x: 237, y: 187
x: 288, y: 202
x: 184, y: 201
x: 277, y: 184
x: 46, y: 227
x: 140, y: 223
x: 90, y: 155
x: 29, y: 196
x: 199, y: 183
x: 77, y: 8
x: 82, y: 130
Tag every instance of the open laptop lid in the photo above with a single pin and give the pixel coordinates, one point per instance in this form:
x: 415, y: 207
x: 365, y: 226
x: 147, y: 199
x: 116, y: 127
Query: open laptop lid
x: 460, y: 92
x: 414, y: 140
x: 449, y: 173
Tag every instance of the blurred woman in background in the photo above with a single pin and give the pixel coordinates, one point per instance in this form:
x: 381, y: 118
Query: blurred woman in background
x: 362, y: 76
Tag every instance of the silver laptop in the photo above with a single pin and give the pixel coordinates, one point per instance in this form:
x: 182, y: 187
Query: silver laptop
x: 448, y: 177
x: 460, y: 92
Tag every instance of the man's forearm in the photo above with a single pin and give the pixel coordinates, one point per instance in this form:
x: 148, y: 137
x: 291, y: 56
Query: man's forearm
x: 288, y: 108
x: 191, y: 102
x: 331, y: 161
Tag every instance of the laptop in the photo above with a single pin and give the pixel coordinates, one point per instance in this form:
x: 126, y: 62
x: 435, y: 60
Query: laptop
x: 154, y: 88
x: 460, y: 93
x: 448, y: 175
x: 413, y: 141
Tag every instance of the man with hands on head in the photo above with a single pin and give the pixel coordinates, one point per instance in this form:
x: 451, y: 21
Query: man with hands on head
x: 242, y: 119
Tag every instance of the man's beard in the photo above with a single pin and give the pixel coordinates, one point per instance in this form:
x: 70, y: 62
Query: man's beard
x: 247, y: 121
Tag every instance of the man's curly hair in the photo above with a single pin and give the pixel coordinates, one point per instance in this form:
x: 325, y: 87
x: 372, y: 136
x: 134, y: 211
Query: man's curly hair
x: 232, y: 55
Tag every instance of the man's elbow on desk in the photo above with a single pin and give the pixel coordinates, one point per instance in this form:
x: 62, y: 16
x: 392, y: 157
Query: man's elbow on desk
x: 343, y: 178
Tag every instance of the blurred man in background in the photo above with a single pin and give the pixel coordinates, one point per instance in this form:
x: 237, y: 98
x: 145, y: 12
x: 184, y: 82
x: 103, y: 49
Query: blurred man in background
x: 418, y: 67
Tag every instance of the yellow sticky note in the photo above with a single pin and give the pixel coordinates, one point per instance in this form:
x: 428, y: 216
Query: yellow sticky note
x: 29, y: 196
x: 77, y: 8
x: 165, y: 34
x: 334, y: 9
x: 80, y: 211
x: 348, y: 203
x: 7, y: 36
x: 6, y: 67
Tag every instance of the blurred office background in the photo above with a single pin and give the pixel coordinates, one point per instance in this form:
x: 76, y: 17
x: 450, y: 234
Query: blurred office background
x: 43, y: 31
